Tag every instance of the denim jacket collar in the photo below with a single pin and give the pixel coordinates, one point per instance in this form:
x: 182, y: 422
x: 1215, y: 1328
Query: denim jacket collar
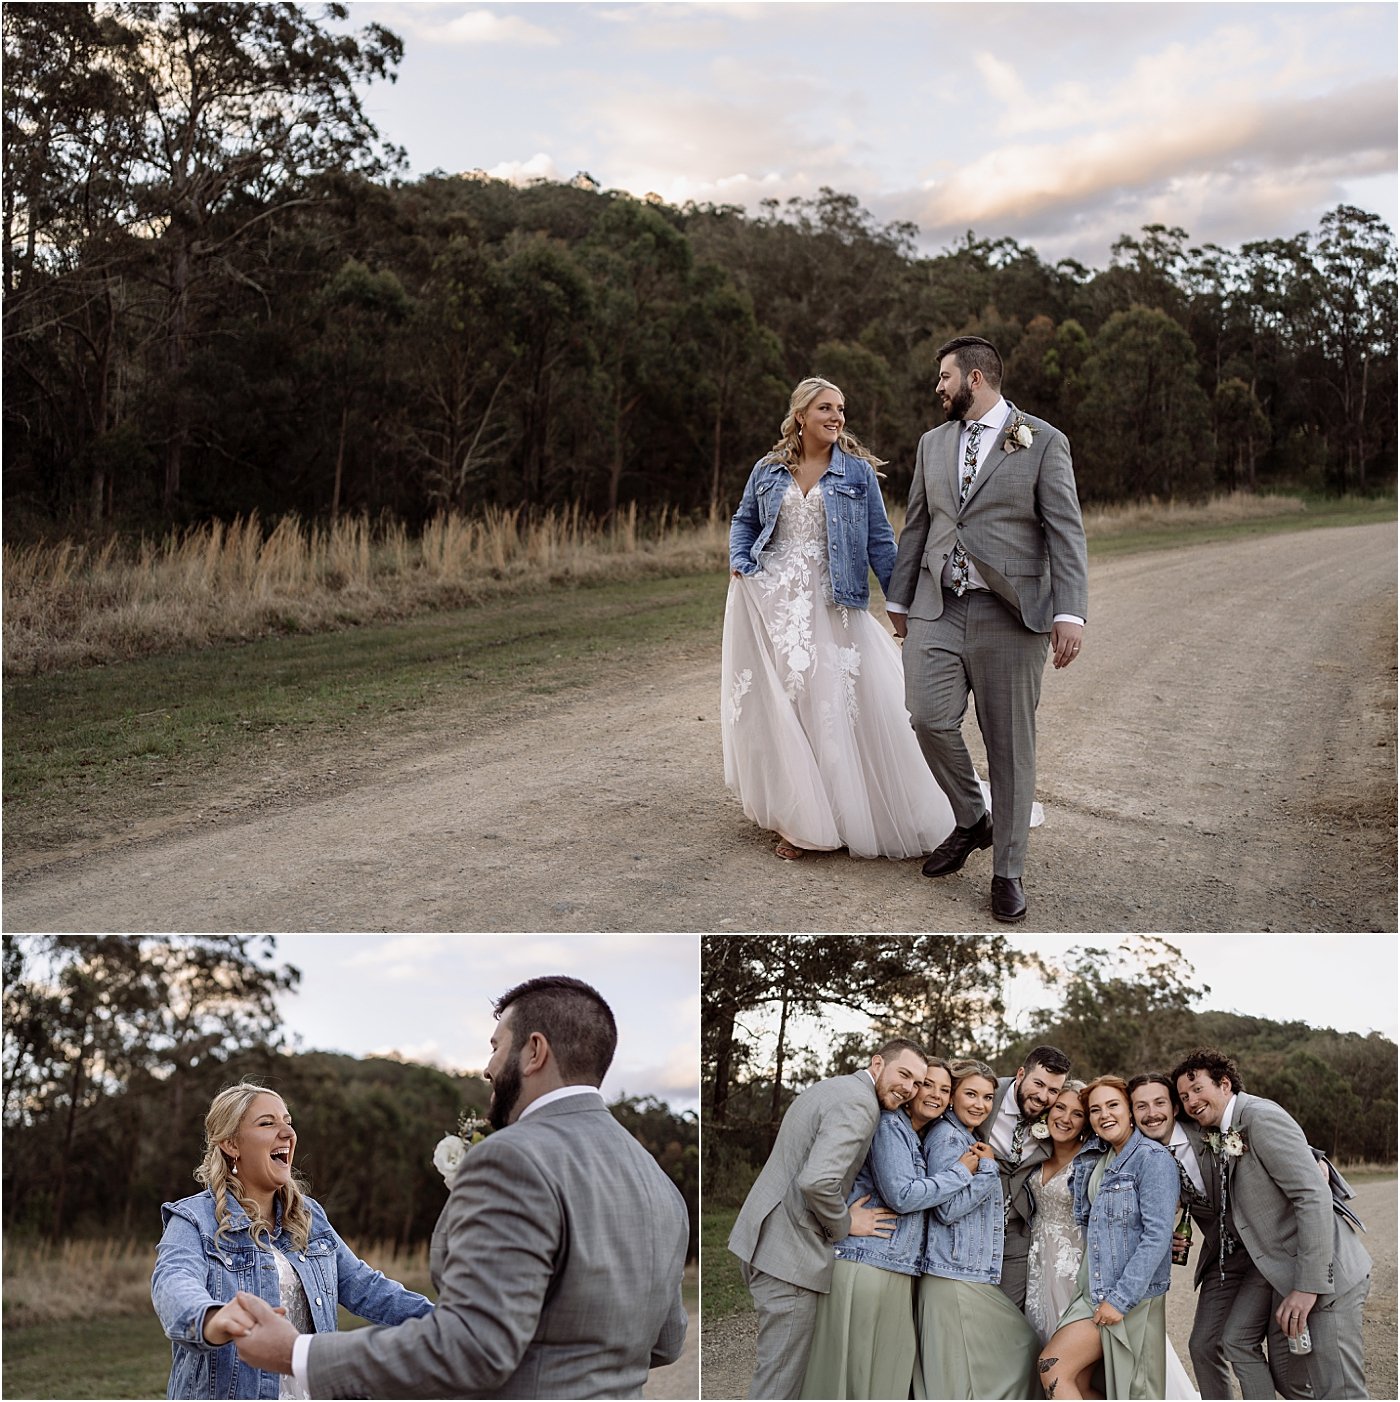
x: 837, y: 465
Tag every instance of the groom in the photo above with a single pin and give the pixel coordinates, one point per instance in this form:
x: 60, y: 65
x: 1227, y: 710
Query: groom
x: 992, y: 573
x: 558, y: 1257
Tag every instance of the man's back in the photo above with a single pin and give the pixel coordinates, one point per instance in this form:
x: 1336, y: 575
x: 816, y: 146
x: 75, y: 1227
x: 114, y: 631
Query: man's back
x: 558, y: 1263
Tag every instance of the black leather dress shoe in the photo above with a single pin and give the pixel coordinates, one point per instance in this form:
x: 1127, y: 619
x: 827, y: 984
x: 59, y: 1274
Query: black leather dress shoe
x: 1008, y: 899
x: 958, y: 846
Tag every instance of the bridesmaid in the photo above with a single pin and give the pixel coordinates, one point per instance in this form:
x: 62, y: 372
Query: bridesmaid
x: 863, y: 1340
x: 1057, y: 1244
x: 1125, y: 1189
x: 973, y: 1342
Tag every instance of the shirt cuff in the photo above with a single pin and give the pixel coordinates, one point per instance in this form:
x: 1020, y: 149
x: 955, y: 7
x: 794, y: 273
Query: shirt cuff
x: 896, y: 608
x: 1068, y: 618
x: 301, y: 1346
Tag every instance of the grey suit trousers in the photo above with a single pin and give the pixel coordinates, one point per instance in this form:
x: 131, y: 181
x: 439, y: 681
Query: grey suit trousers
x: 977, y: 646
x: 787, y: 1316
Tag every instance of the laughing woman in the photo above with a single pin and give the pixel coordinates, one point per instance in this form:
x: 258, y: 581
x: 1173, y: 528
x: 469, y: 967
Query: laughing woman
x: 253, y: 1229
x: 973, y: 1342
x: 1125, y: 1190
x: 863, y: 1342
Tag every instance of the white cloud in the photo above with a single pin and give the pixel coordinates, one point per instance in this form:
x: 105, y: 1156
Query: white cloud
x: 539, y: 167
x: 486, y: 27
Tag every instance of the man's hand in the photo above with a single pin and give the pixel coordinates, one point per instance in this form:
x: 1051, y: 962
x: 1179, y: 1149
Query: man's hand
x: 1292, y: 1314
x: 900, y: 623
x: 228, y: 1322
x: 872, y: 1221
x: 267, y: 1342
x: 1065, y: 642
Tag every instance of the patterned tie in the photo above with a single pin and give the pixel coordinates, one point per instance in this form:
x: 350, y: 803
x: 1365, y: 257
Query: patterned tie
x: 1191, y: 1195
x: 1018, y: 1140
x: 969, y: 476
x: 1227, y: 1240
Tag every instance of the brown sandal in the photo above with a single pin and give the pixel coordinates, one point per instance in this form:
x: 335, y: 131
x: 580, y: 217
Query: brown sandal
x: 787, y: 850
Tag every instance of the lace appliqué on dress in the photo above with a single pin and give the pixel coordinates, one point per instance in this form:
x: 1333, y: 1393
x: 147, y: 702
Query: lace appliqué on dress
x: 737, y: 692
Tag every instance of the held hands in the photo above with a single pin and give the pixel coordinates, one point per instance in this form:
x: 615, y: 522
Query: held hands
x: 228, y: 1322
x: 900, y: 623
x: 976, y: 1153
x: 872, y: 1221
x: 1292, y: 1314
x: 1106, y: 1314
x: 267, y: 1340
x: 1065, y: 642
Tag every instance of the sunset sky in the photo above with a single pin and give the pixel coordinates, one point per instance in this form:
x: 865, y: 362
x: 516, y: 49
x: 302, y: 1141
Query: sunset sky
x: 1059, y: 125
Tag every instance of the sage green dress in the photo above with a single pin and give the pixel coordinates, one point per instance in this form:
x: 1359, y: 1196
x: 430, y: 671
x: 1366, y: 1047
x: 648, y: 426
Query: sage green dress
x: 863, y: 1341
x: 973, y: 1342
x: 1134, y: 1349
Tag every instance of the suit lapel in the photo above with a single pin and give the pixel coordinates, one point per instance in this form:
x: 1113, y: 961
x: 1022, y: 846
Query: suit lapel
x: 952, y: 464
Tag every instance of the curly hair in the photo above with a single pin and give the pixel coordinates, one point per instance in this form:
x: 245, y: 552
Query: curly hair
x: 1214, y: 1063
x: 222, y: 1123
x: 788, y: 449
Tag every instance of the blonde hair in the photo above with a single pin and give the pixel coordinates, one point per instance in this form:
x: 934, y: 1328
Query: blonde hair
x: 788, y: 449
x: 225, y: 1117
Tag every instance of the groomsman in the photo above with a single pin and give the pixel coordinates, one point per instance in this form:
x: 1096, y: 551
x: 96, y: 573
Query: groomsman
x: 796, y: 1210
x: 1156, y: 1112
x: 1020, y: 1100
x: 1279, y: 1245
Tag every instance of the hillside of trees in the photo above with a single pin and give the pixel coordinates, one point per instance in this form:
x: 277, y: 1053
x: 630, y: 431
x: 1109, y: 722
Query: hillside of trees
x: 1111, y: 1013
x: 221, y: 296
x: 113, y: 1049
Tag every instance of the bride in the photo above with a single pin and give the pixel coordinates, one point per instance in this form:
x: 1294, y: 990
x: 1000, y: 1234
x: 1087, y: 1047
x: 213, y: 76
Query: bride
x: 817, y: 742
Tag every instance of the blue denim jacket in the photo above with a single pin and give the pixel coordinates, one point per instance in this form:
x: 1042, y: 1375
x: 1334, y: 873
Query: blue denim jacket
x: 193, y: 1272
x: 896, y: 1178
x: 966, y: 1230
x: 859, y: 537
x: 1128, y: 1229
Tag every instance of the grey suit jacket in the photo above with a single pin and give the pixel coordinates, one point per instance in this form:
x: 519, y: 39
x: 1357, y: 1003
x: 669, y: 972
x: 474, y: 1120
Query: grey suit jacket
x: 1020, y: 524
x: 796, y: 1210
x: 1281, y: 1206
x: 1014, y: 1176
x: 557, y: 1263
x: 1207, y: 1215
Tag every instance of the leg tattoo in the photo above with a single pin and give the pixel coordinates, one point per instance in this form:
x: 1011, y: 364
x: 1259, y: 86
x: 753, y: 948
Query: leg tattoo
x: 1050, y: 1391
x: 1047, y: 1363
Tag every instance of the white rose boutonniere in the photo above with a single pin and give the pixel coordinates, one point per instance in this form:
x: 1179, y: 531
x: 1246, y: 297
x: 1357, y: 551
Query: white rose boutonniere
x: 1019, y: 434
x: 1040, y: 1130
x: 452, y: 1148
x: 1230, y: 1145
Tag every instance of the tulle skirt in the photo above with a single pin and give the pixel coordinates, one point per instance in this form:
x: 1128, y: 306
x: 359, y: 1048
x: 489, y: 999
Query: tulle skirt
x: 817, y: 742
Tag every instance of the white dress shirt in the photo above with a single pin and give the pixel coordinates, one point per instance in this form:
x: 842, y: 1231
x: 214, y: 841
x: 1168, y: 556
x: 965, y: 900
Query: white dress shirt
x: 1002, y: 1129
x: 1180, y: 1147
x: 301, y: 1345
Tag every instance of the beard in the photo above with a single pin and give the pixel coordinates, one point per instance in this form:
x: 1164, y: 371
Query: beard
x: 958, y: 406
x: 505, y: 1091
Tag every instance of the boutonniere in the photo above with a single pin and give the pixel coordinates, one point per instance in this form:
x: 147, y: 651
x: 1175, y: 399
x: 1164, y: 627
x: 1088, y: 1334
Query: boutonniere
x: 1230, y: 1145
x: 1041, y: 1130
x: 1019, y: 434
x: 452, y: 1148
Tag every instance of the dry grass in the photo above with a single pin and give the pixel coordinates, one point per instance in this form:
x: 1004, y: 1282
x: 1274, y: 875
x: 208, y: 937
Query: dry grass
x: 71, y: 605
x: 45, y: 1284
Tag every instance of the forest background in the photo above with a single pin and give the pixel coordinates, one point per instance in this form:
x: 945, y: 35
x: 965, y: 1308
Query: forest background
x: 221, y: 298
x: 113, y: 1049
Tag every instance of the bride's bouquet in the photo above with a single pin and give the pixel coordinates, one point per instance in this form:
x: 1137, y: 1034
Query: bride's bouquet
x: 452, y: 1148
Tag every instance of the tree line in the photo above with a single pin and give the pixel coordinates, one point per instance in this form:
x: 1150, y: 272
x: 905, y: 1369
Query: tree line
x: 221, y: 296
x: 1113, y: 1010
x: 114, y: 1047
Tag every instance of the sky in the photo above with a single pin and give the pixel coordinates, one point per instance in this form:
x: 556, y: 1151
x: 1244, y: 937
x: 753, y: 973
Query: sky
x: 1346, y: 982
x: 428, y: 998
x: 1062, y: 126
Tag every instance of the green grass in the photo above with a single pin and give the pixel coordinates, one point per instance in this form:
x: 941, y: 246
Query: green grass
x: 722, y: 1288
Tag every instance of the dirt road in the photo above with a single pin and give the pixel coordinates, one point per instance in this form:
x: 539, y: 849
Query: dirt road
x: 727, y: 1346
x: 1222, y: 758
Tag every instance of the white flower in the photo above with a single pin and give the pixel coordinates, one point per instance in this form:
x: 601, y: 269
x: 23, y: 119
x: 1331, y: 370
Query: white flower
x: 1040, y: 1130
x: 1023, y: 435
x: 448, y: 1156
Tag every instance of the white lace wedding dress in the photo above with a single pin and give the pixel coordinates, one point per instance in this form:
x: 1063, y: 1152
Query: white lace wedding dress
x: 817, y: 743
